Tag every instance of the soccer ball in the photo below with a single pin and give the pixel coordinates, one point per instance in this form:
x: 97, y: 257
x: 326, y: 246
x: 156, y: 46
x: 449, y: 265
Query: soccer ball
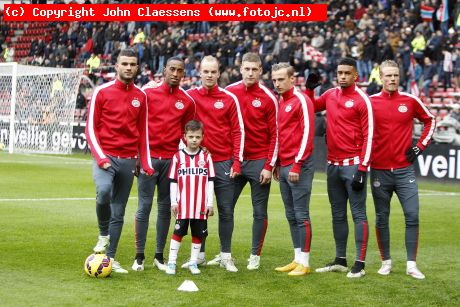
x: 98, y: 265
x: 2, y: 146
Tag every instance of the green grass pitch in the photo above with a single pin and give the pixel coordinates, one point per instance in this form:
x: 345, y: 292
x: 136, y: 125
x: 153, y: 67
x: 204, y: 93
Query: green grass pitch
x: 48, y: 228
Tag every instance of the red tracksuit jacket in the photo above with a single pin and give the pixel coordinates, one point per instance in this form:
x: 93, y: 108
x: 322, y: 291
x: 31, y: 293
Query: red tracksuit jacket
x: 117, y: 123
x: 220, y: 113
x: 394, y: 120
x: 350, y: 125
x: 259, y: 108
x: 296, y: 125
x: 170, y: 108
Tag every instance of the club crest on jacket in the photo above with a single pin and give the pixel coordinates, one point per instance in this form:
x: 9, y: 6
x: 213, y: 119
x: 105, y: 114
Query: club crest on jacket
x: 136, y: 103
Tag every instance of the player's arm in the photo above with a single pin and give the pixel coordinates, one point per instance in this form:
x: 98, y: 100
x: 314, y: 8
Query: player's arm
x: 92, y: 133
x: 144, y: 148
x: 305, y: 109
x: 173, y: 193
x: 271, y: 118
x: 366, y: 118
x: 210, y: 188
x: 320, y: 102
x: 173, y: 186
x: 429, y: 124
x: 237, y: 126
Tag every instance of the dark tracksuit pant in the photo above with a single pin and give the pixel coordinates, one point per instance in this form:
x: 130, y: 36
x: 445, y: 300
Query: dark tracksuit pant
x: 250, y: 172
x: 296, y: 199
x: 339, y: 179
x: 403, y: 182
x: 146, y: 190
x: 112, y: 192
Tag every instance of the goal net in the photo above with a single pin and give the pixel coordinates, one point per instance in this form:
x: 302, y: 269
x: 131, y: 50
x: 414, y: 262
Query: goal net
x: 37, y: 106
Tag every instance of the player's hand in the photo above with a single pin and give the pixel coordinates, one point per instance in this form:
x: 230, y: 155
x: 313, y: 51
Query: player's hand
x: 313, y: 81
x: 276, y: 173
x: 233, y: 174
x: 293, y: 177
x: 359, y: 181
x: 209, y: 211
x: 106, y: 165
x: 174, y: 209
x: 149, y: 172
x: 265, y: 176
x: 412, y: 153
x: 137, y: 168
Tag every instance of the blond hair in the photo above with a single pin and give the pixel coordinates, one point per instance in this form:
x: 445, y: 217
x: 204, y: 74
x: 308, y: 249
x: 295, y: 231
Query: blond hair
x: 282, y: 65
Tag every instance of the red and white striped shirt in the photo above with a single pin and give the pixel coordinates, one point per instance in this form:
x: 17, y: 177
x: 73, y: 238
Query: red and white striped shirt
x: 193, y: 174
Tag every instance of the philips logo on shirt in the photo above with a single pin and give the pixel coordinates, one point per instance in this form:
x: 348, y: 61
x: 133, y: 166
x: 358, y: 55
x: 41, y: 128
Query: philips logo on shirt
x: 192, y: 171
x: 179, y: 105
x: 218, y: 104
x: 402, y: 108
x: 136, y: 103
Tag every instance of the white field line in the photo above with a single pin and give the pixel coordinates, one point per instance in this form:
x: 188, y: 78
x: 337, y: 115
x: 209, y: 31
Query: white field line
x: 3, y: 200
x: 51, y: 157
x: 81, y: 162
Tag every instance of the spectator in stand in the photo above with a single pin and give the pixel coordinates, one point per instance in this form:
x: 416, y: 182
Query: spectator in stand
x: 418, y: 45
x: 447, y: 67
x: 428, y: 74
x: 457, y: 66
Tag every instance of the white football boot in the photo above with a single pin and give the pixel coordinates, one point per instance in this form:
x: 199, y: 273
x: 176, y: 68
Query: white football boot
x: 254, y: 262
x: 102, y: 244
x: 116, y: 268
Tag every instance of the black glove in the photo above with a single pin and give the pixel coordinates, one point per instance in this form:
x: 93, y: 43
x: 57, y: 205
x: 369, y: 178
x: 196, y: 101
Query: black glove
x: 412, y: 153
x: 359, y: 180
x: 313, y: 80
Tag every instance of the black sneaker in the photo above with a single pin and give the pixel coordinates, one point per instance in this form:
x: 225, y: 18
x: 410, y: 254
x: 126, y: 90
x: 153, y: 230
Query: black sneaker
x: 338, y: 265
x: 357, y: 271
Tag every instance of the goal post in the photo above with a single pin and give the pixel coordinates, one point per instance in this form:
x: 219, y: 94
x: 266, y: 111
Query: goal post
x: 37, y: 106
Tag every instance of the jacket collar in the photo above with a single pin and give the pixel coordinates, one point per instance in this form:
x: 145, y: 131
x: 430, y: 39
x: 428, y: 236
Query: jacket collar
x: 287, y: 95
x: 395, y: 94
x: 169, y: 89
x: 123, y: 85
x: 252, y: 87
x: 348, y: 90
x: 204, y: 91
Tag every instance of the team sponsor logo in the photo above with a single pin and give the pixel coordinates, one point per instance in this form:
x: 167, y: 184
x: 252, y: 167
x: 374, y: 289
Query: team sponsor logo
x: 201, y: 163
x: 402, y: 108
x: 179, y: 105
x: 136, y: 103
x: 376, y: 183
x: 218, y: 104
x: 190, y: 171
x: 256, y: 103
x: 288, y: 108
x: 349, y: 103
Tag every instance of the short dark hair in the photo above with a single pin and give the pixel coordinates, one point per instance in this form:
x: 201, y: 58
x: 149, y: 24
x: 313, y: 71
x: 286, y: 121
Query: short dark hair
x: 129, y: 52
x: 175, y: 58
x: 347, y: 61
x: 193, y: 125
